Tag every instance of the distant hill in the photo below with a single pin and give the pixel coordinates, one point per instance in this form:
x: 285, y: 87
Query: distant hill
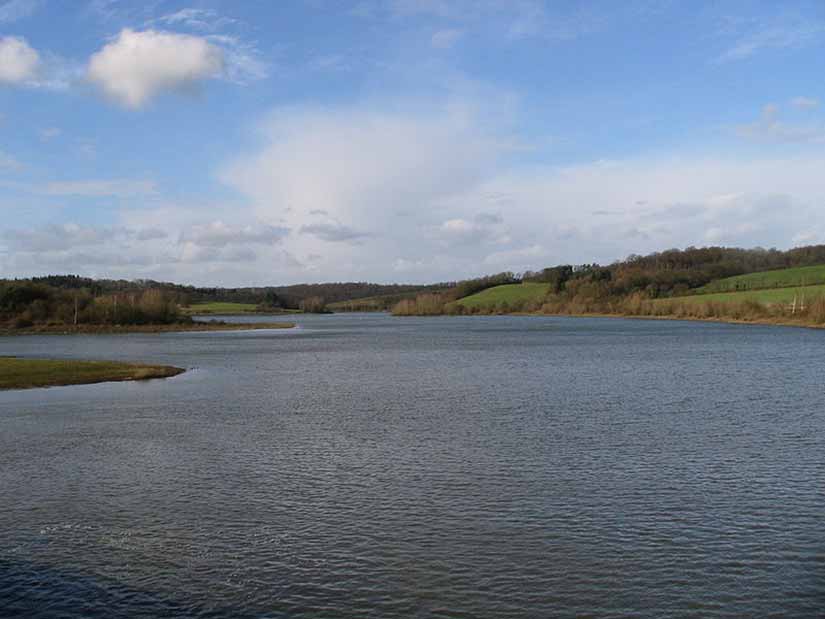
x: 583, y: 288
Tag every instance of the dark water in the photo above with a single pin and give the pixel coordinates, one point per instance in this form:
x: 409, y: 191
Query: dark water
x: 365, y: 466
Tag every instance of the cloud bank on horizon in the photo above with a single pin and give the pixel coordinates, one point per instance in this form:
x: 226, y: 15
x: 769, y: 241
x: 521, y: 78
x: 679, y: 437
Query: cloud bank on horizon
x: 228, y: 143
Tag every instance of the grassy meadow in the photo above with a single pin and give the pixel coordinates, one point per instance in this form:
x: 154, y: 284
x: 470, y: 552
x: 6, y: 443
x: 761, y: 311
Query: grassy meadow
x: 377, y: 303
x: 16, y: 373
x: 784, y: 278
x: 218, y: 307
x: 766, y: 296
x: 506, y: 295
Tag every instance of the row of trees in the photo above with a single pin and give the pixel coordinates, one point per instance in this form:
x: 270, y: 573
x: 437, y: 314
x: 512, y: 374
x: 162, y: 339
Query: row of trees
x: 27, y: 303
x: 273, y: 297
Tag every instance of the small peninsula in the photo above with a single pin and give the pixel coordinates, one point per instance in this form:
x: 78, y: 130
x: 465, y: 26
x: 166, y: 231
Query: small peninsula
x: 18, y: 373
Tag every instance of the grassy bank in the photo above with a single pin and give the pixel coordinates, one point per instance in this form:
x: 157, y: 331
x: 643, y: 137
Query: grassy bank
x: 220, y: 308
x: 767, y: 296
x: 783, y: 278
x: 506, y: 296
x: 16, y: 373
x: 769, y: 306
x: 231, y: 309
x: 186, y: 327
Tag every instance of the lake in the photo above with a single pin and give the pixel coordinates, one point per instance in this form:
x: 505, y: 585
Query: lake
x: 369, y: 466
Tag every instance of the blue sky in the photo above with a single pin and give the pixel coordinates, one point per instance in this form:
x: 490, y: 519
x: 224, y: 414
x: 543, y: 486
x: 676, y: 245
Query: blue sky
x: 257, y: 142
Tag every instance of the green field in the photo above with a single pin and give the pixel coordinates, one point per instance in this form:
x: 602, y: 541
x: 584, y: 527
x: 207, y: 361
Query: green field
x: 512, y: 294
x: 18, y: 373
x: 784, y: 278
x: 220, y: 308
x: 367, y: 304
x: 768, y: 296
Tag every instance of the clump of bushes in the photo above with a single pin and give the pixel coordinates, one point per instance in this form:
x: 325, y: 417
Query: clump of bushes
x: 25, y: 304
x: 313, y: 305
x: 425, y: 304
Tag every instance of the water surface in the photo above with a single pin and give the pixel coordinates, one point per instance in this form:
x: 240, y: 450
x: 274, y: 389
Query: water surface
x: 365, y: 466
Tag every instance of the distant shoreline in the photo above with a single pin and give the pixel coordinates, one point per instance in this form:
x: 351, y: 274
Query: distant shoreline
x: 157, y: 328
x: 767, y: 322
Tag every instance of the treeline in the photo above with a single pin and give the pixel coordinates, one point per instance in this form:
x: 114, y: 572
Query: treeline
x: 28, y: 303
x: 283, y: 297
x: 589, y: 288
x: 677, y: 272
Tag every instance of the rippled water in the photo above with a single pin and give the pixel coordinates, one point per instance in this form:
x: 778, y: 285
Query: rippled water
x: 365, y: 466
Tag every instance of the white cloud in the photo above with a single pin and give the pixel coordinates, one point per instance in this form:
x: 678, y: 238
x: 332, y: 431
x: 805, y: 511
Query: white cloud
x: 55, y: 237
x: 18, y: 60
x: 136, y: 250
x: 333, y: 232
x: 355, y: 160
x: 136, y: 66
x: 494, y: 220
x: 483, y: 228
x: 520, y: 259
x: 435, y: 181
x: 219, y: 234
x: 386, y: 168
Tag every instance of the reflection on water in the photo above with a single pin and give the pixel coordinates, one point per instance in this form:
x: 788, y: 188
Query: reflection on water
x: 460, y: 467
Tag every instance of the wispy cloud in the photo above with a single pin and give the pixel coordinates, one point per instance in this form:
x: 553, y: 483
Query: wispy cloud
x: 47, y: 134
x: 220, y: 234
x: 99, y: 188
x: 7, y: 162
x: 13, y: 10
x: 330, y: 62
x: 333, y: 232
x: 206, y: 20
x: 768, y: 128
x: 780, y: 33
x: 514, y: 19
x: 805, y: 102
x: 444, y: 39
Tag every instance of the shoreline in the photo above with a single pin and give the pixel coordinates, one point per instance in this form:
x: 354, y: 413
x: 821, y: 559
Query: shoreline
x: 20, y: 373
x: 765, y: 322
x: 242, y: 313
x: 193, y: 327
